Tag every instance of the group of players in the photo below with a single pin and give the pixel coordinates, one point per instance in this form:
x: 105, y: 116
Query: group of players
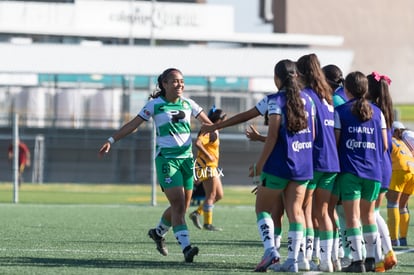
x: 327, y: 153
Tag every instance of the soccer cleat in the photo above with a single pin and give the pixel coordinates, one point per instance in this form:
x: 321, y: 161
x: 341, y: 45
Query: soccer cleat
x: 390, y: 260
x: 189, y: 253
x: 403, y: 241
x: 211, y: 227
x: 326, y: 266
x: 337, y: 266
x: 290, y: 265
x: 303, y: 264
x: 270, y: 257
x: 379, y: 267
x: 314, y: 264
x: 369, y: 264
x: 195, y: 218
x: 345, y: 261
x: 395, y: 242
x: 355, y: 267
x: 159, y: 241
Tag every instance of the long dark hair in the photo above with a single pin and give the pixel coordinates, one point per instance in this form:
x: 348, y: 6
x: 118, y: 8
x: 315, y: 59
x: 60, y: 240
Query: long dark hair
x: 159, y: 89
x: 379, y: 94
x: 286, y: 71
x: 356, y: 83
x: 313, y: 76
x: 333, y: 75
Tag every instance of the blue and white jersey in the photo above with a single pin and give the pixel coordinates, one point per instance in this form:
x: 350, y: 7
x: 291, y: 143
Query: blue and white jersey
x: 325, y: 153
x: 173, y: 125
x: 261, y: 106
x: 360, y: 146
x: 291, y: 157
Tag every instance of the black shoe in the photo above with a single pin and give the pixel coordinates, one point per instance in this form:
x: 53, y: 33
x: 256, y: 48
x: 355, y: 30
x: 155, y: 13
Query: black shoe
x: 189, y: 253
x: 211, y: 227
x: 355, y: 267
x: 159, y: 241
x: 369, y: 265
x: 195, y: 218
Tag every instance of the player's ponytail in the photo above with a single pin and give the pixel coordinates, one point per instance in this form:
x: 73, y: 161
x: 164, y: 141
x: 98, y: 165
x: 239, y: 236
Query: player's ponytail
x: 356, y: 83
x: 296, y: 116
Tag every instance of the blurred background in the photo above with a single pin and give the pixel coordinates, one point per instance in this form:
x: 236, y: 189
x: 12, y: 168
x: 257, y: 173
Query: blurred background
x: 76, y: 70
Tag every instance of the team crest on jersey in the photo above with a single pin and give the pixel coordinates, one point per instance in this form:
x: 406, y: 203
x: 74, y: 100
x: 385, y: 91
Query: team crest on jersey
x: 147, y: 112
x: 168, y: 180
x: 186, y: 105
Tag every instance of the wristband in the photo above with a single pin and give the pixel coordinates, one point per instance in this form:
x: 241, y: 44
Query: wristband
x: 111, y: 140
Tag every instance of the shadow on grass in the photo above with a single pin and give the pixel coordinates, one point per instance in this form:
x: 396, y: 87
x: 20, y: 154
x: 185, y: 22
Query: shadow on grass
x: 122, y: 264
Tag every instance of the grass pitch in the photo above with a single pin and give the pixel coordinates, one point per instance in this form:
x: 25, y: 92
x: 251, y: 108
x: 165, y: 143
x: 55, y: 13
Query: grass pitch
x: 73, y: 231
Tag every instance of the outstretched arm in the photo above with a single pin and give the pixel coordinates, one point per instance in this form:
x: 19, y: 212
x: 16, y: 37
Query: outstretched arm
x: 236, y: 119
x: 125, y: 130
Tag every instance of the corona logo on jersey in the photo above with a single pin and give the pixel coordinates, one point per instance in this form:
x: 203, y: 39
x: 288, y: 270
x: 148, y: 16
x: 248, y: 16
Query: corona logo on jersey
x: 202, y: 173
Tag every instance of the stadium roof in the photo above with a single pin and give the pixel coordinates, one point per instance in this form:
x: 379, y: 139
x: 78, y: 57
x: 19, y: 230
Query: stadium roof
x: 146, y: 60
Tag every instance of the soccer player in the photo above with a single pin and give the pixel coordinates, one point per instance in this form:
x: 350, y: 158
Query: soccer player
x: 378, y: 93
x: 23, y: 160
x: 361, y: 135
x: 285, y: 165
x: 171, y: 112
x: 326, y: 167
x: 401, y: 186
x: 208, y: 172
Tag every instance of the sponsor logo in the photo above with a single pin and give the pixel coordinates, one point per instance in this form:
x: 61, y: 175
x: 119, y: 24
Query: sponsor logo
x: 355, y: 144
x: 297, y: 146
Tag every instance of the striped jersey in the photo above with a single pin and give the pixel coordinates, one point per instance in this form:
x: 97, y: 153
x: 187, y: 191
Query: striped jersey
x: 173, y: 125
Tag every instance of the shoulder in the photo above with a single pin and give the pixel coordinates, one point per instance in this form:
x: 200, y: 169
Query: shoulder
x: 188, y: 102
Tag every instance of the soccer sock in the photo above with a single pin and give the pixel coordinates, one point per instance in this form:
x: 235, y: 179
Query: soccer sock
x: 310, y: 236
x: 404, y: 222
x: 316, y: 245
x: 342, y: 228
x: 393, y: 222
x: 383, y: 232
x: 163, y: 227
x: 266, y: 229
x: 354, y: 238
x: 371, y: 241
x: 335, y: 246
x: 278, y: 237
x: 200, y: 209
x: 295, y: 236
x: 208, y: 213
x: 182, y: 235
x: 326, y: 245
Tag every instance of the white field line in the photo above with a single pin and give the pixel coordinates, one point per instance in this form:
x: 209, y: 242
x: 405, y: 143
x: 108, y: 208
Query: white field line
x: 114, y: 252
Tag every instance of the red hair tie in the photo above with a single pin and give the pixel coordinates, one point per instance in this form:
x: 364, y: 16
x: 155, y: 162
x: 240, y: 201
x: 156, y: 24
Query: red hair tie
x: 378, y: 77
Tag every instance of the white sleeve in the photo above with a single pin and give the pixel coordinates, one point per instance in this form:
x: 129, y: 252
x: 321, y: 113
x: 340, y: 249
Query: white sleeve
x: 261, y: 106
x: 147, y: 111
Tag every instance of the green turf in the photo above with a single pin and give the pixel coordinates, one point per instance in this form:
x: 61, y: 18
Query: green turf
x: 96, y: 238
x: 406, y: 112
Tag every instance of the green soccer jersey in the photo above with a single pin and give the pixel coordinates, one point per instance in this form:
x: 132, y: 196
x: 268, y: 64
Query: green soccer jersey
x: 173, y: 125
